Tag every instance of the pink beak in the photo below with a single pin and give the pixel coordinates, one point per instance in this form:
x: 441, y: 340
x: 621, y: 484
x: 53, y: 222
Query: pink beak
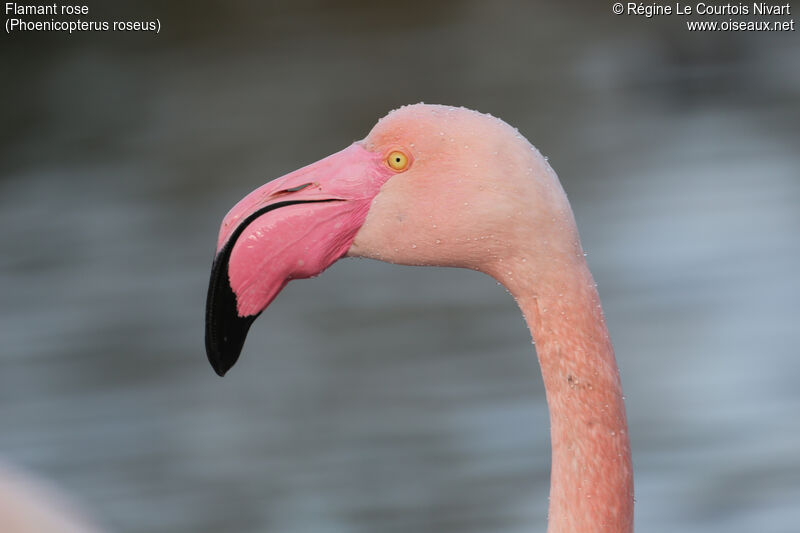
x: 293, y: 227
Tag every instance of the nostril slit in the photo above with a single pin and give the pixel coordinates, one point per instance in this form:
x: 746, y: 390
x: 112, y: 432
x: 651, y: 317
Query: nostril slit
x: 292, y: 189
x: 299, y: 187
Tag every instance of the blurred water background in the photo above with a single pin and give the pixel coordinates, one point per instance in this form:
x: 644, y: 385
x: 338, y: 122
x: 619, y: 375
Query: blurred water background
x: 381, y: 398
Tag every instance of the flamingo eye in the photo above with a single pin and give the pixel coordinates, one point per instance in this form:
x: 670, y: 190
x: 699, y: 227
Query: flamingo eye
x: 397, y: 160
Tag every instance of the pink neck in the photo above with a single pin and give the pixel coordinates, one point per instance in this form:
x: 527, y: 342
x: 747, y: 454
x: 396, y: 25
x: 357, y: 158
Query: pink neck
x: 591, y: 488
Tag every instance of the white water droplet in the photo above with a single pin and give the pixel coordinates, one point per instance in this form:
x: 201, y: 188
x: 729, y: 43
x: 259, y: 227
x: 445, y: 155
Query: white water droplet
x: 413, y: 245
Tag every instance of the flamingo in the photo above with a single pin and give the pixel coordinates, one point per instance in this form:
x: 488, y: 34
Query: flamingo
x: 445, y: 186
x: 30, y: 505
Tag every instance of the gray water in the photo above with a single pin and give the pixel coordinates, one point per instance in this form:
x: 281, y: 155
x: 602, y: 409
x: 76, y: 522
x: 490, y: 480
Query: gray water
x: 380, y: 398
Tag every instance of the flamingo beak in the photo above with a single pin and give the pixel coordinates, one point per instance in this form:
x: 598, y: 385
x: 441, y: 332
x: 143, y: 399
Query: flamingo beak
x: 293, y: 227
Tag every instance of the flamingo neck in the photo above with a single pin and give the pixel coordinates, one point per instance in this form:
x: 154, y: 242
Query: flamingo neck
x: 591, y: 486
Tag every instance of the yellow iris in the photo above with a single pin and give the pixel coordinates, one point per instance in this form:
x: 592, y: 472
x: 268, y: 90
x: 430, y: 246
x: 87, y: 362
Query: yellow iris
x: 397, y: 160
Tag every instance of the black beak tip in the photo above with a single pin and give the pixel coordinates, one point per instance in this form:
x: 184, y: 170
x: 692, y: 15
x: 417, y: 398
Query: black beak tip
x: 219, y: 363
x: 225, y: 329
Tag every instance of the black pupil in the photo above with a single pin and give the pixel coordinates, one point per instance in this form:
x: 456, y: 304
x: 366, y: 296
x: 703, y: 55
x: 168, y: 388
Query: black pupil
x: 397, y: 159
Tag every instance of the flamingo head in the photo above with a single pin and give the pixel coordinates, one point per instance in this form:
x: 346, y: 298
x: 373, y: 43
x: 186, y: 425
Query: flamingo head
x: 429, y: 185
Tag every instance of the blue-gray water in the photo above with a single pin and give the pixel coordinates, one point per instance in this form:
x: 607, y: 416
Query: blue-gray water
x: 379, y: 398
